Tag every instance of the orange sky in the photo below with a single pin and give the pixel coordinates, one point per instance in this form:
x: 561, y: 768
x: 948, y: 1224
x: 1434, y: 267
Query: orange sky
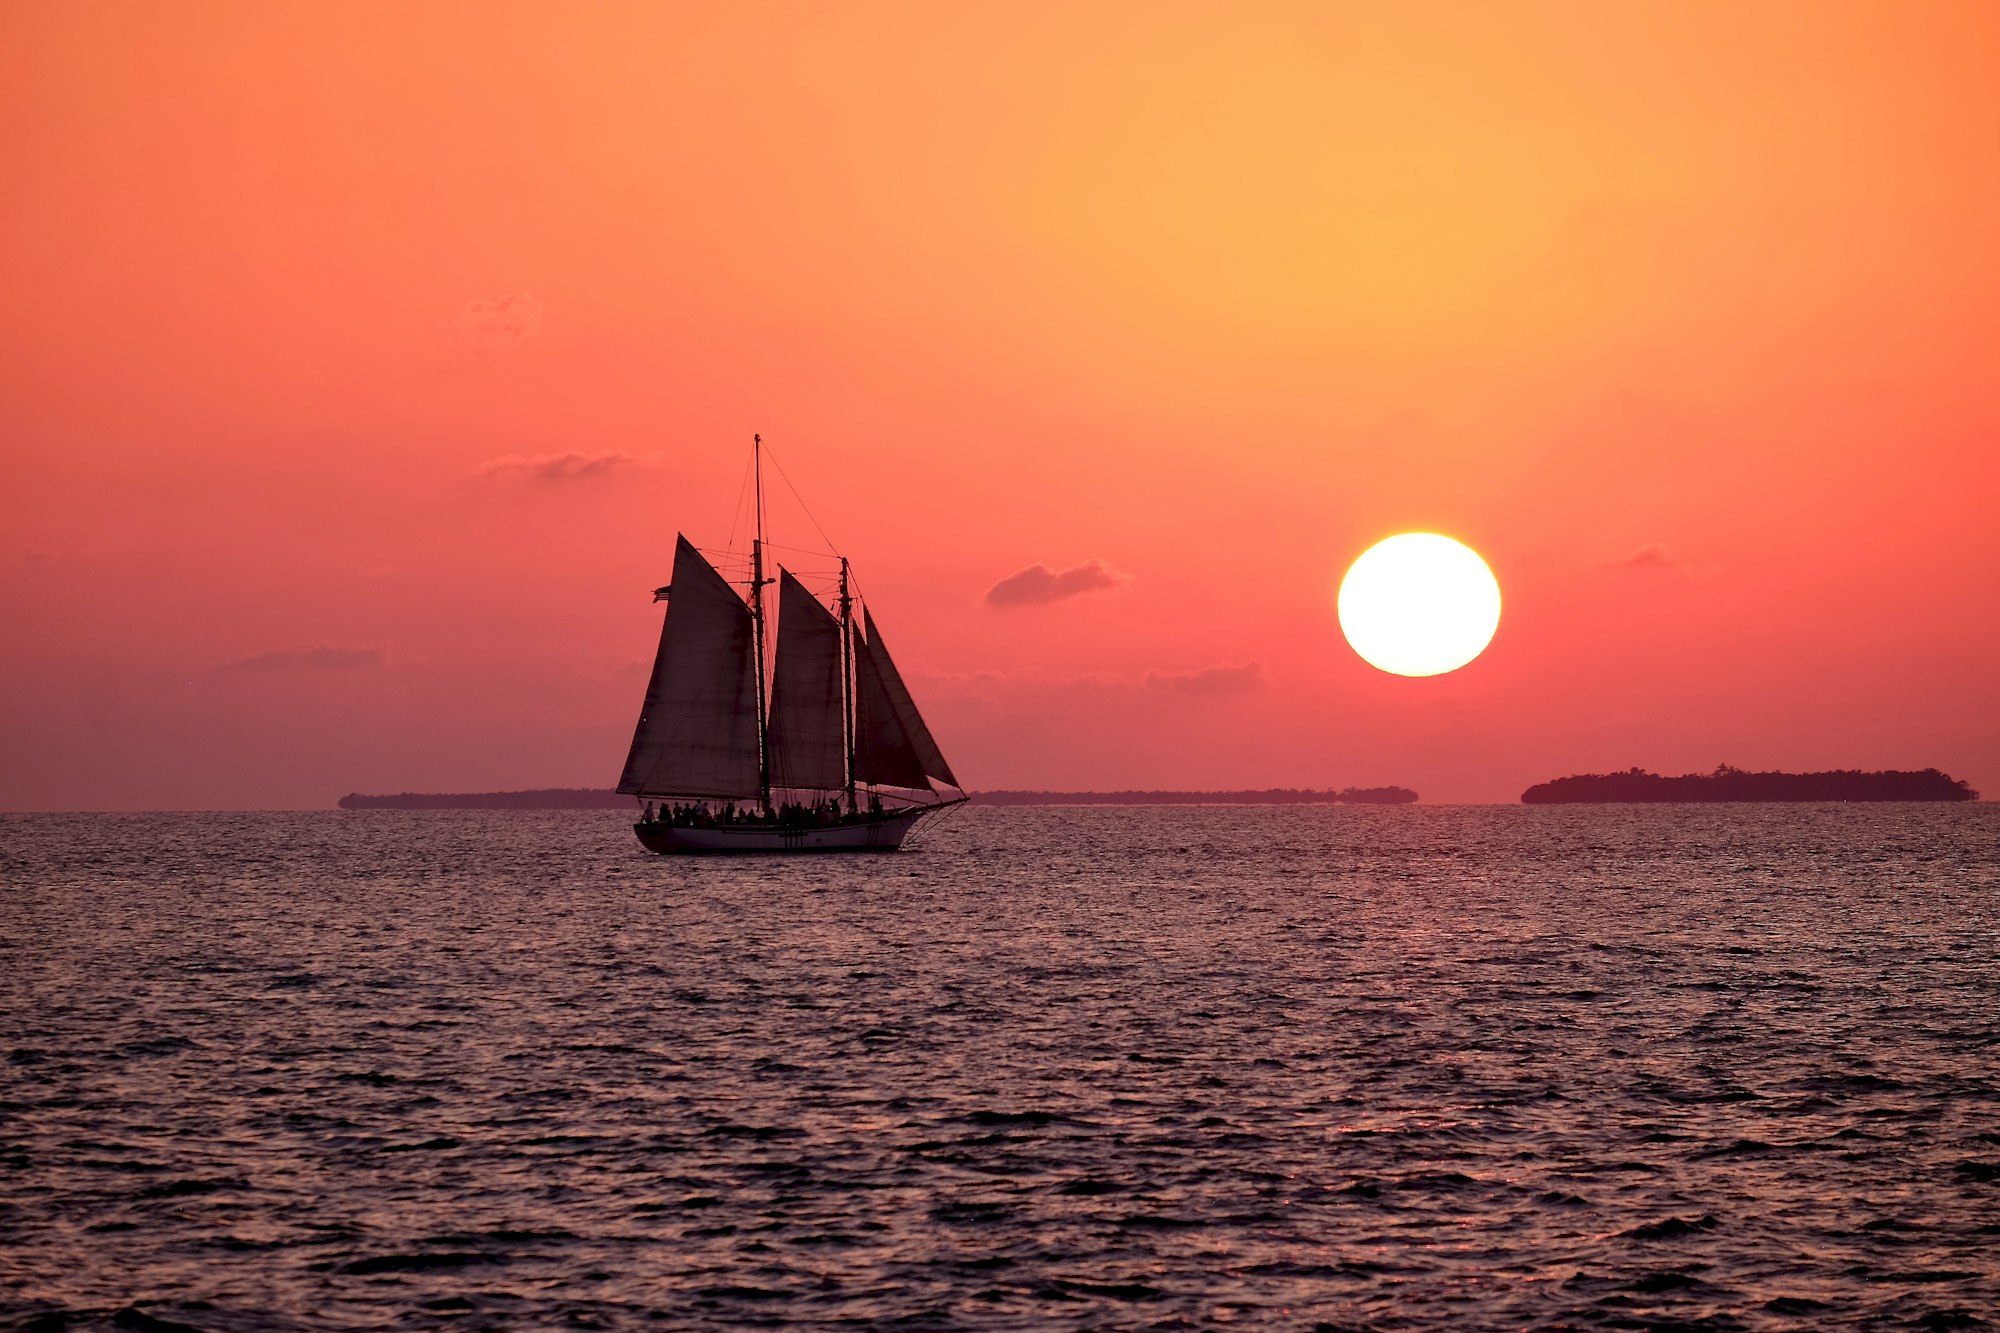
x: 358, y: 364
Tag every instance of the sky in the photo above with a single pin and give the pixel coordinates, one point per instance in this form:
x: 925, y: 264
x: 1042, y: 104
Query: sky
x: 359, y: 363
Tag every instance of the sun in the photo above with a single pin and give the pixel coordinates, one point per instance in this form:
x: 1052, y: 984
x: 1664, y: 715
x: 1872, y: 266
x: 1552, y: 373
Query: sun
x: 1419, y: 604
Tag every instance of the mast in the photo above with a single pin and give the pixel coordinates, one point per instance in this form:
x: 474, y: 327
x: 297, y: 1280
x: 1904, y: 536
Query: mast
x: 757, y: 582
x: 847, y: 679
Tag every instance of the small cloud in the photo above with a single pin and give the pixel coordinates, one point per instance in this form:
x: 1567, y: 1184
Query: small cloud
x: 35, y: 555
x: 308, y: 659
x: 1028, y: 680
x: 1215, y: 680
x: 1038, y: 585
x: 484, y: 329
x: 1651, y: 556
x: 553, y: 467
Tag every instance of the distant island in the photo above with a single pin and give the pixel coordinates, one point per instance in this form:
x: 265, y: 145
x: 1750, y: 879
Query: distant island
x: 584, y: 798
x: 542, y: 798
x: 1267, y: 796
x: 1733, y: 784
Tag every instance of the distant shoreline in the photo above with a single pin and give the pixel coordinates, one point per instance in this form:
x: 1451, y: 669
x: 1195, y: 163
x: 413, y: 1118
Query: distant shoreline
x: 540, y: 798
x: 1635, y: 787
x: 1726, y: 784
x: 584, y: 798
x: 1266, y: 796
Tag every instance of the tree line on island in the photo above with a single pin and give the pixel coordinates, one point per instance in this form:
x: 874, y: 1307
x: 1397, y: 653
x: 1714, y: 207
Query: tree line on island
x: 582, y: 798
x: 1638, y: 787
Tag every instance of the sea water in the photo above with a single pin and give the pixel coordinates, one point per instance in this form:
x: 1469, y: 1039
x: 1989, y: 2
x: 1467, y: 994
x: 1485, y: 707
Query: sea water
x: 1138, y: 1068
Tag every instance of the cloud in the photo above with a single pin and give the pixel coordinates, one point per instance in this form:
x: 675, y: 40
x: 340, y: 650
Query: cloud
x: 1020, y: 681
x: 1038, y: 585
x: 308, y: 659
x: 1215, y: 680
x: 553, y: 467
x: 1651, y: 556
x: 483, y: 329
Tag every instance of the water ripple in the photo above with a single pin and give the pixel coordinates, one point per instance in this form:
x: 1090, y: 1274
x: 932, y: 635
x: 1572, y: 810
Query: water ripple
x: 1618, y: 1068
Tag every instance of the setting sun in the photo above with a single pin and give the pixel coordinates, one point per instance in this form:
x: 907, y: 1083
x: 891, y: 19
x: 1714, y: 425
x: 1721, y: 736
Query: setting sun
x: 1419, y: 605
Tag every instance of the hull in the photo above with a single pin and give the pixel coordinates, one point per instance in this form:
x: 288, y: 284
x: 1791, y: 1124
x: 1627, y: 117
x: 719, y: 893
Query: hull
x: 876, y: 833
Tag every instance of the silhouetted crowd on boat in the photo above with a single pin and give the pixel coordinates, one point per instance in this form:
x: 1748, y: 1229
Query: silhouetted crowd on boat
x: 791, y: 814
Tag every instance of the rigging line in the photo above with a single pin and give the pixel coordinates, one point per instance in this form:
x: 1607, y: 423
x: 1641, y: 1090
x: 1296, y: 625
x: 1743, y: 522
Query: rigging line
x: 942, y: 816
x: 801, y: 550
x: 802, y: 502
x: 736, y: 518
x: 722, y: 558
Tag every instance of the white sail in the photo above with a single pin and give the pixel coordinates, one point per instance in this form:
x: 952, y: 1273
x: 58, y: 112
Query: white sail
x: 697, y: 734
x: 894, y: 747
x: 807, y: 742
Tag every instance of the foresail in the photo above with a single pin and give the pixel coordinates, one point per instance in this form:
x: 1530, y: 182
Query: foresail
x: 697, y: 733
x: 808, y: 743
x: 895, y: 747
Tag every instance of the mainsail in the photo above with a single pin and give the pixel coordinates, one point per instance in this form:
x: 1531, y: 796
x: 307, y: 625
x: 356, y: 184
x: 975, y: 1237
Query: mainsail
x: 697, y: 734
x: 807, y: 741
x: 893, y: 746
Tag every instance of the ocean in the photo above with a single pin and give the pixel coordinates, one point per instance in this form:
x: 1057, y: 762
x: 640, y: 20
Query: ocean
x: 1313, y: 1068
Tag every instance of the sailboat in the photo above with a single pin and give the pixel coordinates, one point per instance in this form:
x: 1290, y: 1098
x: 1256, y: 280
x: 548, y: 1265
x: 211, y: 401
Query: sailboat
x: 833, y: 757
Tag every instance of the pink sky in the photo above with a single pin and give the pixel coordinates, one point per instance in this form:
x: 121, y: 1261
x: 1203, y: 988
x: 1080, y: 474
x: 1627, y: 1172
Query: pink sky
x: 358, y: 365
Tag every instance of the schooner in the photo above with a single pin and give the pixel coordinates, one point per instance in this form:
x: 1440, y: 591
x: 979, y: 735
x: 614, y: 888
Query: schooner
x: 832, y: 757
